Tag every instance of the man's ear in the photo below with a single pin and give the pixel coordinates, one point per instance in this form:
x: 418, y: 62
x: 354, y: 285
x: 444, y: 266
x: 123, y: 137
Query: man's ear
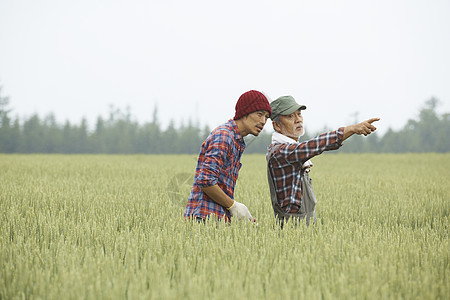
x: 276, y: 126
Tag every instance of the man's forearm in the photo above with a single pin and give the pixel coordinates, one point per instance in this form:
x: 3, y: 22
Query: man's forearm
x: 218, y: 195
x: 348, y: 132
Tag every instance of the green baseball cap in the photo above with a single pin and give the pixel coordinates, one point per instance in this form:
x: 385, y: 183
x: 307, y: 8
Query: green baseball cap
x: 284, y: 105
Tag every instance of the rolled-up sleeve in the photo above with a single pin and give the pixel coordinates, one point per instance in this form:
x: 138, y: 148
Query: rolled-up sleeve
x: 217, y: 147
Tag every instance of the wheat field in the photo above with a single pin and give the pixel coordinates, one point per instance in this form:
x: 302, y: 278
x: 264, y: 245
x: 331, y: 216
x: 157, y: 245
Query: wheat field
x: 111, y: 227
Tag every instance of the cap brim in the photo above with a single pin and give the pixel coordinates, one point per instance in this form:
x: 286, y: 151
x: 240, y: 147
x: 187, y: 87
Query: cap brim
x: 292, y: 109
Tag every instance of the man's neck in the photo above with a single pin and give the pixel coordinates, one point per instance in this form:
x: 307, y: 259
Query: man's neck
x: 241, y: 127
x: 293, y: 137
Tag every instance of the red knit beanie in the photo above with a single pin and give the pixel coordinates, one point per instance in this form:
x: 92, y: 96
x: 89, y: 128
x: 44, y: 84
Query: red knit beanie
x: 251, y: 101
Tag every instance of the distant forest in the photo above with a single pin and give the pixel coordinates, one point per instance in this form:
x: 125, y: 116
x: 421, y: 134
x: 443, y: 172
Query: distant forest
x: 119, y: 134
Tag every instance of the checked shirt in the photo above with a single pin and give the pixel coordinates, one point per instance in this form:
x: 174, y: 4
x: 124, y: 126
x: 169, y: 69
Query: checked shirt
x: 285, y: 162
x: 218, y: 163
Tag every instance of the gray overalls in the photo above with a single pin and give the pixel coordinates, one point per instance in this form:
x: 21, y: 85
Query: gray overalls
x: 307, y: 208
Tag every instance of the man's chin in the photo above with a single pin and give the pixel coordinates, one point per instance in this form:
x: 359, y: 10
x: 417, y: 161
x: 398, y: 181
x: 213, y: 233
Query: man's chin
x: 257, y: 132
x: 299, y: 133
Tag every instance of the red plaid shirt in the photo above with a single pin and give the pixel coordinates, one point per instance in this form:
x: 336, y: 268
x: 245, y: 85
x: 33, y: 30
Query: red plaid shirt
x: 285, y: 163
x: 218, y: 163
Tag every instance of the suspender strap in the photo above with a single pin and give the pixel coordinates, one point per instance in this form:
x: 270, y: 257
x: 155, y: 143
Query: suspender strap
x: 309, y: 201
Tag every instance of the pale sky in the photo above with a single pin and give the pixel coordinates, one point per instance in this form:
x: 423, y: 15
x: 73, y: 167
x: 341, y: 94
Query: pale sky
x: 193, y: 59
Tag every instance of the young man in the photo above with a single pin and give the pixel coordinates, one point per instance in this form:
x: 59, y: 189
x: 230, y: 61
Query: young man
x: 219, y: 161
x: 288, y: 162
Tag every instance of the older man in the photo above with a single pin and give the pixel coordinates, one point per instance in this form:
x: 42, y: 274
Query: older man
x: 288, y: 161
x: 219, y: 162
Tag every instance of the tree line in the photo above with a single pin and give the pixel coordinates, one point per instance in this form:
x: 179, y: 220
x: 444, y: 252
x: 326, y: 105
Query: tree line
x: 428, y: 132
x: 120, y: 134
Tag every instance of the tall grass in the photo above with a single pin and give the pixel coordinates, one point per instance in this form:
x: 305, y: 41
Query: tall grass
x: 111, y: 227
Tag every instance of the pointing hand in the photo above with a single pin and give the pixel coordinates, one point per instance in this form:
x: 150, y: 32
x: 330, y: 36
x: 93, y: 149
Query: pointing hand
x: 365, y: 127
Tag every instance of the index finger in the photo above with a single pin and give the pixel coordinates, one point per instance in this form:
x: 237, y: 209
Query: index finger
x: 373, y: 120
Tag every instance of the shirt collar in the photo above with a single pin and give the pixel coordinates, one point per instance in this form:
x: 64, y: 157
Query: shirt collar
x: 237, y: 134
x: 278, y: 138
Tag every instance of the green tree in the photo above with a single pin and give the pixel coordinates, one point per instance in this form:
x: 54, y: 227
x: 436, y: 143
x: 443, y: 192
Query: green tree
x: 98, y: 138
x: 82, y: 143
x: 171, y: 138
x: 5, y: 125
x: 16, y: 138
x: 34, y: 138
x: 52, y: 134
x: 428, y: 132
x: 189, y: 139
x: 154, y: 134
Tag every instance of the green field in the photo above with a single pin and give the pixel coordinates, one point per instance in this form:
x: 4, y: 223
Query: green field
x: 111, y: 227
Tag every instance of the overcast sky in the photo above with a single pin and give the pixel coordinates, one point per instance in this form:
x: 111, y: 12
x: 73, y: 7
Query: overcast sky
x: 193, y: 59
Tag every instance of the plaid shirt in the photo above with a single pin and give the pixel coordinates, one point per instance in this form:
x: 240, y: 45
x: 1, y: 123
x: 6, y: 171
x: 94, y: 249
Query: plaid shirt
x: 285, y: 163
x: 218, y: 163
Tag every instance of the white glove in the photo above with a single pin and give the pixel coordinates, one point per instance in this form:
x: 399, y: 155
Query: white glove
x: 240, y: 211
